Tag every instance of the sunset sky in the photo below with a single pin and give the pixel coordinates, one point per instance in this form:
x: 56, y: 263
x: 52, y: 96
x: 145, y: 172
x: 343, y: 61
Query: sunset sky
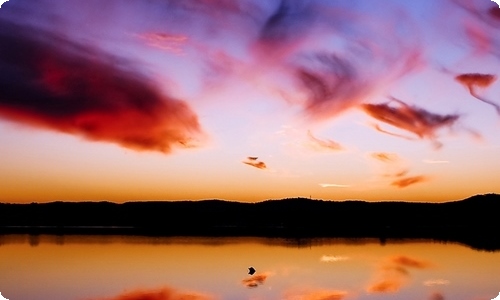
x: 249, y: 100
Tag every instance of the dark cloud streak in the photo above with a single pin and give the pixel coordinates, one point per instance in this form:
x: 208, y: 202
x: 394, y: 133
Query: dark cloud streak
x: 254, y: 162
x: 289, y: 21
x: 419, y: 121
x: 333, y: 85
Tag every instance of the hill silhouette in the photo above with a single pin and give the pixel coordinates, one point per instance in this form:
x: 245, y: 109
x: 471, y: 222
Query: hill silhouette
x: 473, y: 221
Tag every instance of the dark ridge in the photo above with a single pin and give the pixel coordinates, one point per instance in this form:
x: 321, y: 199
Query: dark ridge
x: 472, y: 221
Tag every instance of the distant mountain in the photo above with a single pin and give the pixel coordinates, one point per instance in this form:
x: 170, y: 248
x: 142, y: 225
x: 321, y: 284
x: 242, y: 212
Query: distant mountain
x: 473, y: 220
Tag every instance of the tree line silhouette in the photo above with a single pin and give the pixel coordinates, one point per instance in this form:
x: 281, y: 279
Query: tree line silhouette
x: 473, y: 221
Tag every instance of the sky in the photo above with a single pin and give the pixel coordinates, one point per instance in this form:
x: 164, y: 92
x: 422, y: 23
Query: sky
x: 249, y: 100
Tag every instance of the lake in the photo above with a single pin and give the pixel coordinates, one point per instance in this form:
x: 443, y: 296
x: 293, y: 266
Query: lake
x: 188, y: 268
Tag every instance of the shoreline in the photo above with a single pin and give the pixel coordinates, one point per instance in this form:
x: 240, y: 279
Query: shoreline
x: 472, y: 221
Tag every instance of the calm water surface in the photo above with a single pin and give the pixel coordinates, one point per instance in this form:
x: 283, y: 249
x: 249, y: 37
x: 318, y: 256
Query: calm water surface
x: 140, y: 268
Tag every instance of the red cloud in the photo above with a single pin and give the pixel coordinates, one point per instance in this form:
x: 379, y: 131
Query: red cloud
x: 53, y: 83
x: 413, y: 119
x: 473, y: 80
x: 407, y: 181
x: 158, y: 294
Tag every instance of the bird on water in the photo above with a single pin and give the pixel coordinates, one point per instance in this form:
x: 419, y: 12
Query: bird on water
x: 251, y: 271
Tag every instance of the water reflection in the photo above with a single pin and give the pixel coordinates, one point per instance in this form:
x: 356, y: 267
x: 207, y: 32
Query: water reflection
x: 158, y: 268
x: 165, y: 293
x: 394, y: 272
x: 36, y: 239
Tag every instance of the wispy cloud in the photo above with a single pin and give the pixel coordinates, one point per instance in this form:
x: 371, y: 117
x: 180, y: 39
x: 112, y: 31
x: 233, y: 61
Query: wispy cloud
x: 378, y: 128
x: 323, y: 145
x: 394, y: 170
x: 419, y: 121
x: 385, y: 157
x: 432, y: 161
x: 252, y: 161
x: 333, y: 185
x: 480, y: 30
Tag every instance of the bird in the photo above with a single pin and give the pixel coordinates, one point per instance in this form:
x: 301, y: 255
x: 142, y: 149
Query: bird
x: 251, y: 271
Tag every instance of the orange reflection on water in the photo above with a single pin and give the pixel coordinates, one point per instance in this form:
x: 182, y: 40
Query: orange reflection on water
x: 165, y: 293
x: 132, y: 268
